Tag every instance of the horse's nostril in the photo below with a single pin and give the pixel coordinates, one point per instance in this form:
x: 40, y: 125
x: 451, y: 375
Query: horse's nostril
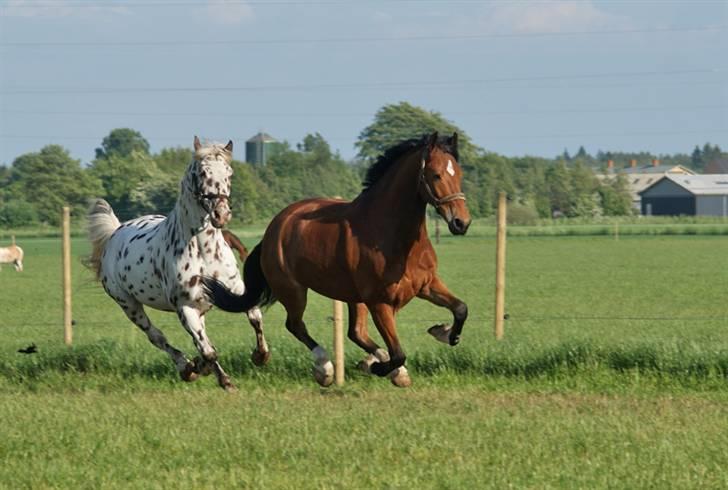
x: 458, y: 223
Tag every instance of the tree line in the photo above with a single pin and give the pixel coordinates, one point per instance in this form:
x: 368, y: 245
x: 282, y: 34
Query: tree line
x: 135, y: 181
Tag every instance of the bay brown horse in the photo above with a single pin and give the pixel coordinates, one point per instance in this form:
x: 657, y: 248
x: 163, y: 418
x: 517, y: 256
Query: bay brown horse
x: 372, y: 253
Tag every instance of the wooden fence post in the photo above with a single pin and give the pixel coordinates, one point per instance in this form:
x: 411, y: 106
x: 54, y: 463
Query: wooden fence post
x: 500, y: 267
x: 67, y: 317
x: 338, y: 342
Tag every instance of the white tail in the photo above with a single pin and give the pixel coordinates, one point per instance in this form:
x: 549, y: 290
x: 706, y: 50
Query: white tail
x: 102, y: 222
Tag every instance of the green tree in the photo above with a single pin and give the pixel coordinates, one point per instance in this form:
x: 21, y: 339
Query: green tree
x: 17, y: 213
x: 615, y: 197
x: 558, y: 186
x: 173, y: 161
x: 123, y: 177
x: 397, y: 122
x: 49, y: 180
x: 696, y: 158
x: 122, y: 142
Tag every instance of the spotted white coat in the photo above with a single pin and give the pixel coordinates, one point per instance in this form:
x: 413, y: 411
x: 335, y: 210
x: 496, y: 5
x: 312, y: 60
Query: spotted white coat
x: 157, y: 261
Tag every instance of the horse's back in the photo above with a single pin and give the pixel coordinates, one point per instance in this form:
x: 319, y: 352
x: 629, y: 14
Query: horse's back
x: 305, y: 241
x: 127, y: 264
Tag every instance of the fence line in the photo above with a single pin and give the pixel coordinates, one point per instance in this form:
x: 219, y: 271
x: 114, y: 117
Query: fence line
x: 512, y: 320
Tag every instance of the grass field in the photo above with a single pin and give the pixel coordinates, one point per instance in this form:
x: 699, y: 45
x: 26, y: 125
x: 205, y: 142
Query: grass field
x: 612, y: 374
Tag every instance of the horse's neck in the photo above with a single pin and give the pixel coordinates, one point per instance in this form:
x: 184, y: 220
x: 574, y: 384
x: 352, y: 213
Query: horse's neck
x: 396, y: 203
x: 188, y: 221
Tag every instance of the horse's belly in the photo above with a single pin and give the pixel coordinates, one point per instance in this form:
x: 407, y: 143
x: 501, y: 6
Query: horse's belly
x: 159, y: 302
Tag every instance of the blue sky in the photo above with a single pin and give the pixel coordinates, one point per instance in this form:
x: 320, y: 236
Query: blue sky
x: 519, y: 77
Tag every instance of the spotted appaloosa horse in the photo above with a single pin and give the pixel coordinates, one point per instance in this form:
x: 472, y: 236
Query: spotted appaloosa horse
x: 12, y: 255
x: 372, y: 253
x: 157, y: 261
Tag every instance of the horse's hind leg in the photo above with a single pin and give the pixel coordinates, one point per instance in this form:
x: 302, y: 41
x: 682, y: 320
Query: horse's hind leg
x: 437, y: 293
x: 261, y: 354
x: 194, y: 323
x: 359, y: 334
x: 135, y: 312
x: 294, y: 300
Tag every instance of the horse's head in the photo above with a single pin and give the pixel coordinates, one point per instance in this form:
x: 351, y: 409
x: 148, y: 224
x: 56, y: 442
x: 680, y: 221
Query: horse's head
x: 440, y: 179
x: 211, y: 181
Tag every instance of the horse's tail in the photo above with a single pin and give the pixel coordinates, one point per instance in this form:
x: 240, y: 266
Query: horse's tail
x: 102, y: 223
x: 257, y: 290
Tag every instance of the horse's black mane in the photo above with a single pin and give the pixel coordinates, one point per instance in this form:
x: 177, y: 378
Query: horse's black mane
x: 394, y: 153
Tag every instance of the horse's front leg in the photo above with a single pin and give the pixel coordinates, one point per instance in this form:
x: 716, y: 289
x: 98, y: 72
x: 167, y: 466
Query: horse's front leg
x: 437, y: 293
x: 194, y: 323
x: 392, y: 365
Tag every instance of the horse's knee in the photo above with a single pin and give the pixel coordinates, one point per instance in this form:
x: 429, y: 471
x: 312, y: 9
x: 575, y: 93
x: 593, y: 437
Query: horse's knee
x: 290, y: 326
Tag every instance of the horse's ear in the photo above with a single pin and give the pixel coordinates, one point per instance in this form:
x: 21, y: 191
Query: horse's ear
x: 197, y: 144
x: 432, y: 141
x: 229, y: 146
x: 454, y: 140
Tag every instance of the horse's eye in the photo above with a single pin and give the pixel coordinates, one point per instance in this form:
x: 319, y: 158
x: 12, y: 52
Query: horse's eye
x: 437, y: 177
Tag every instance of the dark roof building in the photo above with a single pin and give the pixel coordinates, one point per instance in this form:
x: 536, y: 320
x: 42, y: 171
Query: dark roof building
x: 691, y: 195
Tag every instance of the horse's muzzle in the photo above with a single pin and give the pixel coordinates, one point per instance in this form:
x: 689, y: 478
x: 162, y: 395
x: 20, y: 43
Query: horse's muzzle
x: 220, y: 217
x: 458, y: 226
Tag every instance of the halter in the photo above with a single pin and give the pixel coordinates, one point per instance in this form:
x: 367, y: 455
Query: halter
x: 431, y: 198
x: 205, y: 200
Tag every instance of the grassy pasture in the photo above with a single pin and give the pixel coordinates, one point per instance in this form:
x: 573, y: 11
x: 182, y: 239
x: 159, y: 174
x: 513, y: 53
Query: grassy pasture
x: 612, y: 373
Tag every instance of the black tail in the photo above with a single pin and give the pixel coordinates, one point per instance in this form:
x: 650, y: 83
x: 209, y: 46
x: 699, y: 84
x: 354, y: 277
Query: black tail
x: 257, y: 291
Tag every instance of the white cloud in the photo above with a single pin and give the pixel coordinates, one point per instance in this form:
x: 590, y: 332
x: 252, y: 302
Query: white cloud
x: 226, y: 12
x: 552, y: 16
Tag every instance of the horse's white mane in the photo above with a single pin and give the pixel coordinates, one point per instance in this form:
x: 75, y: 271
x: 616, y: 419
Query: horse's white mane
x: 213, y: 149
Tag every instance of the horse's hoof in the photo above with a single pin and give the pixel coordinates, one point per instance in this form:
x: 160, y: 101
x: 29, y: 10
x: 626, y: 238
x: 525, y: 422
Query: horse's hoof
x: 400, y: 377
x: 441, y: 332
x: 189, y: 373
x: 365, y: 364
x: 260, y: 358
x: 228, y: 387
x: 324, y: 373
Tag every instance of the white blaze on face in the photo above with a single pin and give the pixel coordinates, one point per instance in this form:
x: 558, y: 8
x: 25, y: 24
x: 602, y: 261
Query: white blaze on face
x: 450, y: 169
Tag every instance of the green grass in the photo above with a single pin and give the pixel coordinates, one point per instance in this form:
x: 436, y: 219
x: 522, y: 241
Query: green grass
x: 302, y: 437
x: 612, y: 373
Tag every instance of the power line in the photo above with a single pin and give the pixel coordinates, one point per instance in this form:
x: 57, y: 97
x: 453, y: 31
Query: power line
x: 350, y: 40
x: 354, y: 85
x: 303, y: 3
x: 600, y: 110
x: 491, y: 137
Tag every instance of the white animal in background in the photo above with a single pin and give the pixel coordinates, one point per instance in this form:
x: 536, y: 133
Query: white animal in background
x: 12, y: 255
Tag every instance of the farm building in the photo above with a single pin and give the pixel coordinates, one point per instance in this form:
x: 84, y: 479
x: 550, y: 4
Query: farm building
x: 692, y: 195
x: 640, y: 178
x: 259, y: 148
